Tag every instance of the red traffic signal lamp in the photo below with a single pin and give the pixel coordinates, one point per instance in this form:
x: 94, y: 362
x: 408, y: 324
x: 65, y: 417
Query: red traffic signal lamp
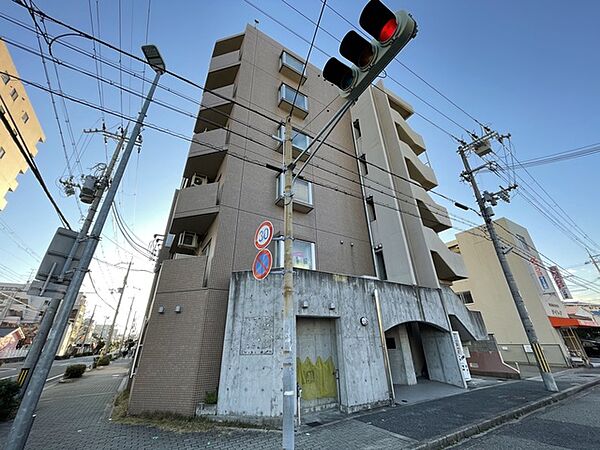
x: 391, y: 32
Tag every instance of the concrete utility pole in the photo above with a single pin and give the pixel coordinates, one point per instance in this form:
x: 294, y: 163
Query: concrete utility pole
x: 487, y: 213
x: 112, y: 327
x: 289, y: 312
x: 24, y: 420
x: 89, y: 327
x: 48, y: 318
x: 593, y: 260
x: 124, y: 338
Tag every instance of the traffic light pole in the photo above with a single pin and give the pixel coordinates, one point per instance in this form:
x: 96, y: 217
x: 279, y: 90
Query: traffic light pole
x: 112, y: 327
x: 24, y: 420
x: 486, y: 212
x: 48, y: 319
x: 289, y: 312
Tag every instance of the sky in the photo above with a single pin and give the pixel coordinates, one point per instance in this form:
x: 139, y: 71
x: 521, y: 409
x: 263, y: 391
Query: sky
x: 524, y: 68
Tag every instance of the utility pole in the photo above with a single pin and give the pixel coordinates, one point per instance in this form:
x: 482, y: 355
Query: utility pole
x: 289, y: 312
x: 89, y: 327
x: 48, y: 318
x: 24, y: 420
x: 112, y: 327
x: 487, y: 212
x: 127, y: 323
x: 593, y: 260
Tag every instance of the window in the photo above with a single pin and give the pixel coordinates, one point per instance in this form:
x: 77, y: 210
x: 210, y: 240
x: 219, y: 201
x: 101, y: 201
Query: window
x: 292, y: 62
x: 371, y: 208
x: 466, y: 297
x: 522, y: 242
x: 380, y: 262
x: 302, y: 190
x: 2, y: 153
x: 287, y: 94
x: 390, y: 343
x: 363, y: 163
x: 300, y: 140
x: 5, y: 78
x: 25, y: 117
x: 14, y: 94
x: 303, y: 254
x: 356, y: 125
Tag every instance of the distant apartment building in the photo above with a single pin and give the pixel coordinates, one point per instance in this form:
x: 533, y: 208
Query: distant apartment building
x: 486, y: 291
x: 18, y: 111
x: 366, y: 247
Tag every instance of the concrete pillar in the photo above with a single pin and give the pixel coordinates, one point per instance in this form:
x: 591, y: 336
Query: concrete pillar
x: 442, y: 364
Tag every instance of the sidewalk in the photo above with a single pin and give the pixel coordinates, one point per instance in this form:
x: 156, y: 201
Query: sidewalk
x: 75, y: 415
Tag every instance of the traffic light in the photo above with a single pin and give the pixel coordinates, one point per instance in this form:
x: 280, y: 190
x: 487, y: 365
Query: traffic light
x: 391, y: 32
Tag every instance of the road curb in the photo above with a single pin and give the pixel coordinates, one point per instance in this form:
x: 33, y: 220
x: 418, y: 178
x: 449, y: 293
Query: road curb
x: 485, y: 425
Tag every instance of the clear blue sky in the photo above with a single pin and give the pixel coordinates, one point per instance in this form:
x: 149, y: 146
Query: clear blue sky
x: 528, y: 68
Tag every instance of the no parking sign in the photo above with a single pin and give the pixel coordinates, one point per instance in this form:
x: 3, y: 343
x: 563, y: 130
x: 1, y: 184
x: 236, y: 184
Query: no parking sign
x: 263, y: 261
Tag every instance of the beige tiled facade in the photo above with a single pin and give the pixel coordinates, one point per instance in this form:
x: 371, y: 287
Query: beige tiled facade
x: 228, y: 190
x: 20, y: 114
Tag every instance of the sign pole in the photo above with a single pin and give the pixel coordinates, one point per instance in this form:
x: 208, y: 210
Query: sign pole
x: 289, y: 314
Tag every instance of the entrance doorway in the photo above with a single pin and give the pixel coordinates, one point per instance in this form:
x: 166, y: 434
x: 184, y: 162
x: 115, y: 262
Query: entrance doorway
x: 316, y: 363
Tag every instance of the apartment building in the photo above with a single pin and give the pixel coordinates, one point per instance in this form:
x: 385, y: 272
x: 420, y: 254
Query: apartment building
x: 374, y: 310
x: 486, y: 291
x: 17, y: 109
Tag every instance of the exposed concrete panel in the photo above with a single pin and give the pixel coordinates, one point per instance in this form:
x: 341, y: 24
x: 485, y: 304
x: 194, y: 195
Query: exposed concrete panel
x: 401, y: 361
x: 250, y: 385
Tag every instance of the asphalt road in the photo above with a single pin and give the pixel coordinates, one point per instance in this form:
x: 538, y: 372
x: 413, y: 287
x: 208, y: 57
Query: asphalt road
x: 11, y: 370
x: 571, y: 424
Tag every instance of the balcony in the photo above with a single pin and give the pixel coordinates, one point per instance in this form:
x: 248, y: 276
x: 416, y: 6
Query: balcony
x: 434, y: 216
x: 209, y: 142
x: 196, y: 209
x: 225, y: 61
x: 182, y: 275
x: 420, y: 172
x: 228, y: 45
x: 407, y: 135
x: 207, y: 164
x: 449, y: 266
x: 216, y: 109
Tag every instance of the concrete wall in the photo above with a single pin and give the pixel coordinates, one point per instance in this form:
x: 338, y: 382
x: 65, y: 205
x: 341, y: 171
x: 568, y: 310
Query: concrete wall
x: 250, y: 384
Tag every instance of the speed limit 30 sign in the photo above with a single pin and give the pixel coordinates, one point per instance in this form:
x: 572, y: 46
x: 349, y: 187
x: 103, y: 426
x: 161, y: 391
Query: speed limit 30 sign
x: 263, y: 235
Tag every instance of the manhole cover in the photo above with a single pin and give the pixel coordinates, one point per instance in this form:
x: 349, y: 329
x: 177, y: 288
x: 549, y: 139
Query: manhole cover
x: 313, y: 424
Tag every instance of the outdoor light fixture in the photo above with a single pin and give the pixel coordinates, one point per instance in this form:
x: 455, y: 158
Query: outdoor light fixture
x: 154, y: 59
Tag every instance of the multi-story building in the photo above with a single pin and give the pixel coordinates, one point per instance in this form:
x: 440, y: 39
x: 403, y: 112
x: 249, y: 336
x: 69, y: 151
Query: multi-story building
x: 17, y: 109
x: 374, y: 310
x: 486, y: 291
x: 20, y: 309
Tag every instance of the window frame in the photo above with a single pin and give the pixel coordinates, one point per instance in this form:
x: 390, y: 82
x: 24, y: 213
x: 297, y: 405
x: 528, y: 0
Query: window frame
x: 279, y: 253
x: 281, y: 188
x: 463, y: 297
x: 5, y: 78
x: 2, y: 152
x: 14, y: 94
x: 285, y: 55
x: 25, y: 117
x: 281, y: 135
x: 282, y: 98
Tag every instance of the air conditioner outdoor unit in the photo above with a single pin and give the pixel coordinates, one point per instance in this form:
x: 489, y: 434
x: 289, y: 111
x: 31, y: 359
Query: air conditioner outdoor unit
x: 188, y: 240
x: 198, y: 180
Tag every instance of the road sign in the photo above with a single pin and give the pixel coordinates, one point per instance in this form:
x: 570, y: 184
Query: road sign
x: 263, y: 235
x: 262, y: 264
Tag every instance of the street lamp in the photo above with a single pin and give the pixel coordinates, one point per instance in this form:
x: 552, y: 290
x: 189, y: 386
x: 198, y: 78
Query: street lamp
x: 154, y: 59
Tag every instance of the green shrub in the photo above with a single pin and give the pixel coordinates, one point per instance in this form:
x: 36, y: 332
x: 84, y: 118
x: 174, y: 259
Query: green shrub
x: 103, y: 361
x: 74, y: 371
x: 8, y: 398
x: 211, y: 398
